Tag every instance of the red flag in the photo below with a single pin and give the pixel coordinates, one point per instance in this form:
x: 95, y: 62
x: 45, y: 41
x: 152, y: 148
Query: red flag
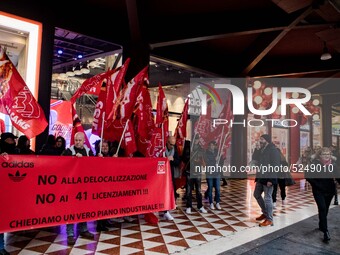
x: 122, y: 112
x: 221, y: 133
x: 116, y: 133
x: 114, y: 86
x: 93, y: 82
x: 181, y: 128
x: 162, y: 114
x: 77, y: 127
x: 124, y: 106
x: 110, y: 87
x: 17, y: 101
x: 143, y: 121
x: 203, y: 126
x: 99, y: 111
x: 157, y: 143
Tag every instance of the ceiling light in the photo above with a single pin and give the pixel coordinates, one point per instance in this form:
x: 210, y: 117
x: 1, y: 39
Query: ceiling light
x: 85, y: 70
x: 316, y: 102
x: 325, y: 55
x: 70, y: 73
x: 257, y: 84
x: 77, y: 71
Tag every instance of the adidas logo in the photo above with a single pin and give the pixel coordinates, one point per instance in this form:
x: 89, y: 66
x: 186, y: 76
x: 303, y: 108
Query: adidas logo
x: 17, y: 177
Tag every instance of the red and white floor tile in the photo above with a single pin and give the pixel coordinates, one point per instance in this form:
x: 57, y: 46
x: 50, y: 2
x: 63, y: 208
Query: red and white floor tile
x: 213, y: 232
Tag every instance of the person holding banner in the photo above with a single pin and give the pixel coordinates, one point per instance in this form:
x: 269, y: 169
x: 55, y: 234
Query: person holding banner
x: 2, y: 245
x: 79, y: 149
x: 7, y: 146
x: 2, y: 235
x: 102, y: 150
x: 172, y: 154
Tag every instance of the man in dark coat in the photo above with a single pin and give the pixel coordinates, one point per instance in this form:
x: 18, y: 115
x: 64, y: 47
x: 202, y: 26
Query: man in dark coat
x: 265, y: 178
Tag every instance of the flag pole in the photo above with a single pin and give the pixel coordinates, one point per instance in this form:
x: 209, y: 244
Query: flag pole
x: 224, y: 139
x: 121, y: 139
x: 163, y: 145
x: 192, y: 142
x: 221, y: 143
x: 101, y: 135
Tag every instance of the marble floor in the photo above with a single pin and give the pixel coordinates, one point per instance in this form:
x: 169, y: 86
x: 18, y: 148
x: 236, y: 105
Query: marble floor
x: 210, y: 233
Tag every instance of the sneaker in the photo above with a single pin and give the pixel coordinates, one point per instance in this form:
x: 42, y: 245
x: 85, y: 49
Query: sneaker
x: 167, y: 216
x: 86, y: 234
x: 202, y: 210
x: 71, y: 240
x: 261, y: 217
x: 188, y: 210
x: 212, y: 207
x: 218, y: 206
x: 128, y: 219
x: 266, y: 223
x: 274, y: 204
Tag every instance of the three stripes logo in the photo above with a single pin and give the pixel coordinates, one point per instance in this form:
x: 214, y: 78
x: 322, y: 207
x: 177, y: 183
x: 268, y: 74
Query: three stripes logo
x: 199, y: 96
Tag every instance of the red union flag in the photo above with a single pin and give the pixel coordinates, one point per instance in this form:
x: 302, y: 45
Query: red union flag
x: 144, y: 122
x: 109, y: 91
x: 181, y: 129
x: 162, y: 114
x: 91, y: 83
x: 17, y: 101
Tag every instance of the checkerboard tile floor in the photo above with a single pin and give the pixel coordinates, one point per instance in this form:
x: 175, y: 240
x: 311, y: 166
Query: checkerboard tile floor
x: 239, y: 210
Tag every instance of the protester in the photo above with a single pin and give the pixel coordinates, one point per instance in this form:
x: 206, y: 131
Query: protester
x: 8, y: 143
x: 7, y: 146
x: 24, y: 145
x: 2, y: 245
x: 102, y: 150
x: 172, y: 154
x: 213, y: 178
x: 79, y: 149
x: 194, y: 158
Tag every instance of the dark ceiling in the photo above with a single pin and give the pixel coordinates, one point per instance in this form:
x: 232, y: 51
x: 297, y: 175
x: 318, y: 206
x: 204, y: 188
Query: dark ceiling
x: 237, y: 38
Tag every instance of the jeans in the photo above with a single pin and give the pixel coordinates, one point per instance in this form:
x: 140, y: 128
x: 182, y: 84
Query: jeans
x: 266, y: 204
x: 193, y: 183
x: 2, y: 241
x: 82, y: 226
x: 214, y: 183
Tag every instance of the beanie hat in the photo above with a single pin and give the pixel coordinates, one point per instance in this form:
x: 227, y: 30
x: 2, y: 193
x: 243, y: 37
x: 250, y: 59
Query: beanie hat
x: 267, y: 138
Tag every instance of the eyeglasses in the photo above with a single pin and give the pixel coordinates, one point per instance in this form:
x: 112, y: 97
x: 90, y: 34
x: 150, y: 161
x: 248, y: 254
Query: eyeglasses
x: 171, y: 144
x: 325, y: 154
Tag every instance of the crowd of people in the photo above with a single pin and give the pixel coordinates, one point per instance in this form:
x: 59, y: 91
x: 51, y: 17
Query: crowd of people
x: 265, y: 192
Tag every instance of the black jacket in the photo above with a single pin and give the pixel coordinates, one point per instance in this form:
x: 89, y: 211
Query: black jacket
x: 269, y: 157
x: 322, y: 181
